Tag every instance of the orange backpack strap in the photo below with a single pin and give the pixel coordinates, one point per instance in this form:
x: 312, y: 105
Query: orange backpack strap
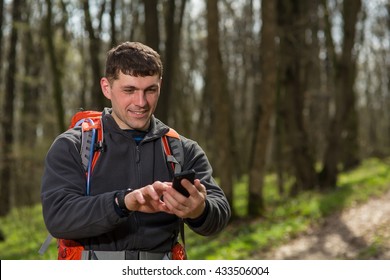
x: 91, y: 140
x: 173, y: 149
x: 172, y: 133
x: 81, y: 116
x: 91, y: 145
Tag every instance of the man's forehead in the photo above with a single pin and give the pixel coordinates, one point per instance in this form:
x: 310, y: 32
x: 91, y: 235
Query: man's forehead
x: 138, y: 81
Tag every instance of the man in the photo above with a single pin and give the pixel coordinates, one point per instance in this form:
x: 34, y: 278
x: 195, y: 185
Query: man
x: 132, y: 212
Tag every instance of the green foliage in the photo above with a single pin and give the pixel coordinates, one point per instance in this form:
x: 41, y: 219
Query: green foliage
x: 24, y: 232
x: 244, y: 238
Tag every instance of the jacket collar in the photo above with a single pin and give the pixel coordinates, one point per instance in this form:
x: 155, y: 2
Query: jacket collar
x: 157, y: 128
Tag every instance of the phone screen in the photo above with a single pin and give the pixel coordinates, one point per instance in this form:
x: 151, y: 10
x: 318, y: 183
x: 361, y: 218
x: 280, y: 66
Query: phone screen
x: 189, y: 175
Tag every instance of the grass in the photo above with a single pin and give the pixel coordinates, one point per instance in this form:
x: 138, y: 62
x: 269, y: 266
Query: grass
x: 244, y: 238
x: 24, y: 232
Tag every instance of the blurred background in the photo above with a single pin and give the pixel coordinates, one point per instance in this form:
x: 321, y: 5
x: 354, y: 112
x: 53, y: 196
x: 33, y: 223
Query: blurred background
x: 285, y: 96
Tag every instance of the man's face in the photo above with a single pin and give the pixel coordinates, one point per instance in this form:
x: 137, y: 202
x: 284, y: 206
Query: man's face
x: 133, y: 99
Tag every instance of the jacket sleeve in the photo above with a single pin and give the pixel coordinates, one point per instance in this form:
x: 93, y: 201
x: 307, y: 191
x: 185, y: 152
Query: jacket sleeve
x: 67, y: 212
x: 217, y: 212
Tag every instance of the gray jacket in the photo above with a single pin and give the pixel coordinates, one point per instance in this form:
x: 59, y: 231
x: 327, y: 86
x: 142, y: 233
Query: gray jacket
x: 93, y: 220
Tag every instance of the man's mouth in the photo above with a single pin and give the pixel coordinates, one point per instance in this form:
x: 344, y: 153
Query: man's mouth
x: 138, y: 113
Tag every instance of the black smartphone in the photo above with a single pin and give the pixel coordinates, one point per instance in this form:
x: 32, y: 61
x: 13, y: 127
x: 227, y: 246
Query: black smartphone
x: 189, y: 175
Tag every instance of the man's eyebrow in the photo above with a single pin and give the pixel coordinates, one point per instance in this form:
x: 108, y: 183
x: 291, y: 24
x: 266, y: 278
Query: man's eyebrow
x: 129, y: 87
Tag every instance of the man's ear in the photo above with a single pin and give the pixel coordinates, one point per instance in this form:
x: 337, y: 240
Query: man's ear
x: 106, y: 87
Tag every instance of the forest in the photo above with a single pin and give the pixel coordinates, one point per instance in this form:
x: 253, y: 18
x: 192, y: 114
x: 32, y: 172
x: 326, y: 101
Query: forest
x: 299, y: 89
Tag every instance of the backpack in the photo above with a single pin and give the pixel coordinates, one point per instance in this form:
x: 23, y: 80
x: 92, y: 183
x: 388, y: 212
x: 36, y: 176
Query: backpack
x: 92, y: 145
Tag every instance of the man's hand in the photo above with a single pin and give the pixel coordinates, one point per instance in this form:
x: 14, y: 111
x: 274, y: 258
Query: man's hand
x: 183, y: 207
x: 147, y: 199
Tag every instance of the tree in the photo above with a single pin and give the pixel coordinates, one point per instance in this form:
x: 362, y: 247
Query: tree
x: 240, y: 52
x: 317, y: 116
x: 28, y: 161
x: 343, y: 78
x: 1, y: 37
x: 350, y: 157
x: 98, y: 100
x: 112, y: 21
x: 266, y: 103
x: 152, y: 31
x: 216, y: 92
x: 7, y: 121
x: 54, y: 65
x: 173, y: 24
x: 293, y: 23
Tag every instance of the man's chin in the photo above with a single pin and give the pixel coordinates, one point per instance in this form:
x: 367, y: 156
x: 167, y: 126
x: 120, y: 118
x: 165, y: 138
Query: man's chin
x: 140, y: 125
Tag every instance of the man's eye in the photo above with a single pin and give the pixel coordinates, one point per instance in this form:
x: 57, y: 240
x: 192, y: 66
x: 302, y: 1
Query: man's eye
x: 151, y: 90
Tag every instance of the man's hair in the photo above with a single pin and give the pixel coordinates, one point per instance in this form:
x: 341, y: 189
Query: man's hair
x: 132, y: 58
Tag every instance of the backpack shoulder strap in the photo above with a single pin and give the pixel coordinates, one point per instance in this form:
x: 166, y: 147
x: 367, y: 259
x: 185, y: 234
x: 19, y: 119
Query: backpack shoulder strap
x: 91, y: 134
x: 173, y: 149
x: 91, y: 146
x: 91, y: 142
x: 91, y: 139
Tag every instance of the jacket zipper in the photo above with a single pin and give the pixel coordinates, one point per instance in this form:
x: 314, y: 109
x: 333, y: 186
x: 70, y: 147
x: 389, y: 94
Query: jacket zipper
x: 138, y: 174
x: 137, y: 161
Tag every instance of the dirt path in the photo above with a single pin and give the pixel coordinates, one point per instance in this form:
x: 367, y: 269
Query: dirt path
x: 361, y: 232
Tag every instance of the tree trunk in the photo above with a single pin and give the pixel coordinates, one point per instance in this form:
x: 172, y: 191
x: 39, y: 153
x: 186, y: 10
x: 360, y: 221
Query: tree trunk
x: 98, y: 101
x: 112, y: 21
x: 174, y: 20
x: 217, y: 92
x: 7, y: 122
x: 1, y: 39
x: 152, y: 31
x: 27, y: 168
x: 293, y: 87
x: 54, y: 65
x: 152, y: 39
x: 266, y: 100
x: 280, y: 139
x: 350, y: 146
x: 317, y: 101
x: 344, y: 78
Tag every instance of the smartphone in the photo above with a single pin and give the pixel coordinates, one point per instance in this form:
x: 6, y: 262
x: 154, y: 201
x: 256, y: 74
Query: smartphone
x: 189, y: 175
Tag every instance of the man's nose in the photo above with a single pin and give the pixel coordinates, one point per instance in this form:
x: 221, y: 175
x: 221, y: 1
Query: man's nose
x: 140, y: 98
